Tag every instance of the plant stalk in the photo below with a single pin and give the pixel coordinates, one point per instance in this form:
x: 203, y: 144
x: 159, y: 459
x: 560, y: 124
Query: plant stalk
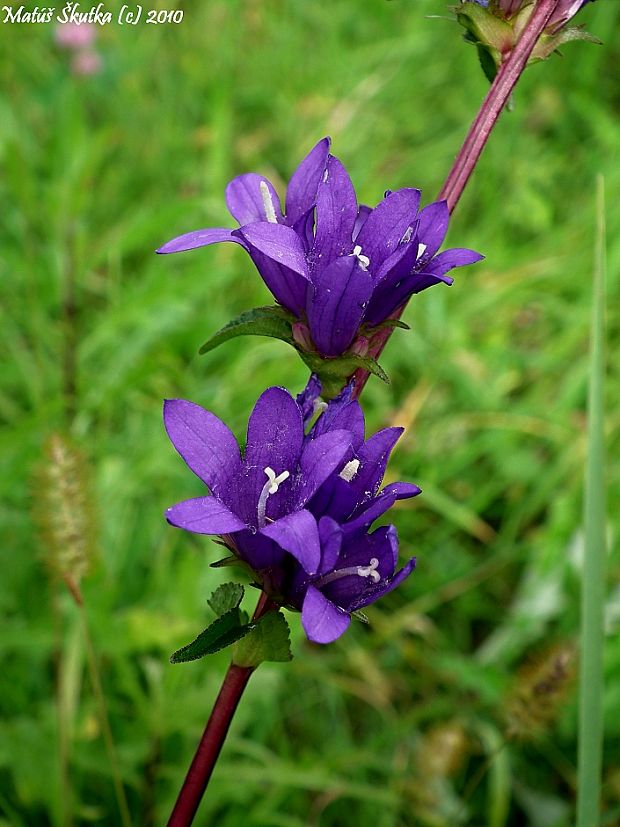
x: 213, y: 737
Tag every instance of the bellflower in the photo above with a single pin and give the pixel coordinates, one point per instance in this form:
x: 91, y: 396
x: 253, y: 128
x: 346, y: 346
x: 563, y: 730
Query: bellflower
x: 297, y: 507
x: 334, y: 265
x: 356, y: 568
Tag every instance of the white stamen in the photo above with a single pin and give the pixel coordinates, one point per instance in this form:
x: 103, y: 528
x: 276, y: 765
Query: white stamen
x: 360, y: 571
x: 269, y: 488
x: 268, y: 203
x: 371, y: 570
x: 421, y: 250
x: 363, y: 260
x: 349, y: 470
x: 274, y: 481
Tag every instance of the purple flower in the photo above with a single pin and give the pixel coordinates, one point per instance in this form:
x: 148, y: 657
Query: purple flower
x: 257, y: 502
x: 333, y: 264
x: 298, y: 506
x: 356, y: 568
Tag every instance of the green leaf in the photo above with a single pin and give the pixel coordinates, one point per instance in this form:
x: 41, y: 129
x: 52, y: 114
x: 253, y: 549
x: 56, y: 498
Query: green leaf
x: 592, y: 635
x: 226, y: 597
x: 222, y: 632
x: 268, y: 640
x: 485, y: 27
x: 271, y: 321
x: 388, y: 324
x: 226, y: 561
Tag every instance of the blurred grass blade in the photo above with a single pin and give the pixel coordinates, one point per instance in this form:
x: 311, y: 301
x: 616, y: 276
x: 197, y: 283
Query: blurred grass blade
x: 593, y: 589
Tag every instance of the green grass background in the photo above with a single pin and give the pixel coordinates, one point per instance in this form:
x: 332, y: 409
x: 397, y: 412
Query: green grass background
x: 403, y: 722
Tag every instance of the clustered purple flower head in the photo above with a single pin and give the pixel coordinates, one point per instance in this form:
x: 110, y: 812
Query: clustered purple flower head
x: 297, y: 507
x: 333, y: 264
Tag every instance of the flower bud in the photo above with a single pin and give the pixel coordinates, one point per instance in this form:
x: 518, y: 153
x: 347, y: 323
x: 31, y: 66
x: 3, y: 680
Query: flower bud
x: 495, y: 26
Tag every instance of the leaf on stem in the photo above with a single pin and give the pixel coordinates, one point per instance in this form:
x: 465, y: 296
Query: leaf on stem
x: 268, y: 640
x: 270, y: 321
x: 227, y: 629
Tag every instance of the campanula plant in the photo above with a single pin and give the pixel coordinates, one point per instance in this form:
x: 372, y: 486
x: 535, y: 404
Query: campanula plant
x: 296, y: 507
x: 337, y: 268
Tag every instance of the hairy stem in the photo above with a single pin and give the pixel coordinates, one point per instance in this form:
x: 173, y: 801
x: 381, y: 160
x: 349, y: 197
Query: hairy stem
x: 213, y: 737
x: 476, y: 139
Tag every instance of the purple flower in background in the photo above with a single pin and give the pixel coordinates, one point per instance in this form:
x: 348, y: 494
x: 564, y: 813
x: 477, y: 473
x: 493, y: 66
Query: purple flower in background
x: 80, y: 39
x: 298, y: 506
x: 332, y: 264
x: 75, y: 35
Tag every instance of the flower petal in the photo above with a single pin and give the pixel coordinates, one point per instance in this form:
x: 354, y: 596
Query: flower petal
x: 302, y: 188
x: 277, y: 242
x: 401, y: 490
x: 319, y: 459
x: 260, y: 553
x: 433, y: 227
x: 308, y: 397
x: 342, y: 412
x: 384, y: 301
x: 330, y: 535
x: 449, y: 259
x: 362, y: 214
x: 288, y: 287
x: 381, y: 545
x: 387, y: 223
x: 199, y: 238
x: 336, y: 304
x: 336, y: 211
x: 275, y: 439
x: 371, y: 512
x: 322, y: 621
x: 204, y: 515
x: 298, y: 534
x: 206, y: 444
x: 374, y: 455
x: 248, y: 201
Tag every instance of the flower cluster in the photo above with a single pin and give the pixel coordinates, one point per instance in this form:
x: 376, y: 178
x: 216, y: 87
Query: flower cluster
x: 340, y: 269
x: 297, y: 507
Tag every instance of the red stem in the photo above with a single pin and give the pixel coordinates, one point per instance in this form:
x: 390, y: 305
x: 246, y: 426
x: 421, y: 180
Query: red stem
x: 497, y: 97
x: 237, y: 677
x: 214, y: 735
x: 475, y: 141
